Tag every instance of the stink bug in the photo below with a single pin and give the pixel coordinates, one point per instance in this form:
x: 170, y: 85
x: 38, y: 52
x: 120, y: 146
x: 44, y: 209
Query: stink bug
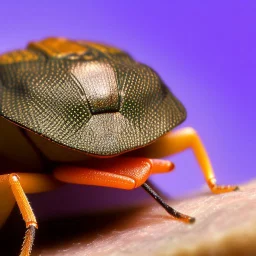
x: 69, y: 110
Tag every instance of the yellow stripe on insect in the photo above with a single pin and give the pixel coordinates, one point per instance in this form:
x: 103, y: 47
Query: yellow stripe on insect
x: 18, y: 56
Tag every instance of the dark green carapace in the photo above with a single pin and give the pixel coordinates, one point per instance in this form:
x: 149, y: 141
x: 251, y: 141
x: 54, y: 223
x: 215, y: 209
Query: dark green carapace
x: 86, y: 96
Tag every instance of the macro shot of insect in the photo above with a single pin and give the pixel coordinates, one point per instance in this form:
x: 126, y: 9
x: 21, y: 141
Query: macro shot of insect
x: 86, y: 113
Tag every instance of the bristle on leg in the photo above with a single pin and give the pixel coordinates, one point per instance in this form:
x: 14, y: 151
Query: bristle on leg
x: 28, y: 241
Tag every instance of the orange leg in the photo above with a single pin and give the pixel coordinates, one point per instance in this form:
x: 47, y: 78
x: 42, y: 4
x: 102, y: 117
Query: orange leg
x: 19, y: 184
x: 120, y: 172
x: 176, y: 142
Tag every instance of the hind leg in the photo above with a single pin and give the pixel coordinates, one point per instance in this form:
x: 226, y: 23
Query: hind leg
x: 13, y: 188
x: 180, y: 140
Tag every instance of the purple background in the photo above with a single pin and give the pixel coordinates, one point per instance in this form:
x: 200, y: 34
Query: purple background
x: 204, y: 50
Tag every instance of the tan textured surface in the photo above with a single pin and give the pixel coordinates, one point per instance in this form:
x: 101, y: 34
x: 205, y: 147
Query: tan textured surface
x: 226, y: 225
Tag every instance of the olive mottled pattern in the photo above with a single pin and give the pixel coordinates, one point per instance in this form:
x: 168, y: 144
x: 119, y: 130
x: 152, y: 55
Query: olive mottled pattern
x: 86, y: 96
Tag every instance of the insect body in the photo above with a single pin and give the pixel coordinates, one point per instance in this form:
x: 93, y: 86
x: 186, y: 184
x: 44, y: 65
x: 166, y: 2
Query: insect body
x: 71, y: 109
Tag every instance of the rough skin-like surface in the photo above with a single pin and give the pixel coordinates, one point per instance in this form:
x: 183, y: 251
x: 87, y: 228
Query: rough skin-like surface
x: 226, y: 225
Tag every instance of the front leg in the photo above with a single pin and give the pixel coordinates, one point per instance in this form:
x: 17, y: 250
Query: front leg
x: 120, y: 172
x: 19, y: 184
x: 180, y: 140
